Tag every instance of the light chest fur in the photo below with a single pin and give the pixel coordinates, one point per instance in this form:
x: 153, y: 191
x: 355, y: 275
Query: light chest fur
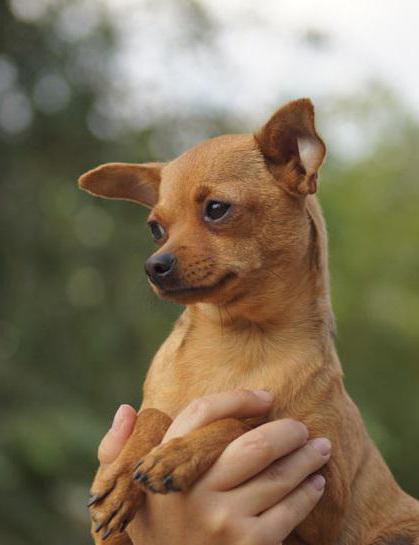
x: 203, y: 356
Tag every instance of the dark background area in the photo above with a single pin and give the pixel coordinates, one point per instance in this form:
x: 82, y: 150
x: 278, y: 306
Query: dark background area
x: 78, y: 324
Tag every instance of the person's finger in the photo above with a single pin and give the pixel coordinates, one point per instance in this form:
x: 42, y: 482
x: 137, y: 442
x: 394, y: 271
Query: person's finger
x: 280, y: 478
x: 255, y: 450
x: 275, y: 524
x: 203, y: 411
x: 122, y: 426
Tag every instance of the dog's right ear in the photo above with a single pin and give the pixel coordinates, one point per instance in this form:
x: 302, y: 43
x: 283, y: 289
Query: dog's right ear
x: 129, y: 181
x: 292, y: 148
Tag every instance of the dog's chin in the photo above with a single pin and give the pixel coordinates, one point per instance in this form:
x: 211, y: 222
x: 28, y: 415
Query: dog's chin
x: 187, y: 295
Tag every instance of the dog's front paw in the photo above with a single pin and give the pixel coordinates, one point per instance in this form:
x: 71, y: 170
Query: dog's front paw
x: 114, y: 499
x: 171, y: 467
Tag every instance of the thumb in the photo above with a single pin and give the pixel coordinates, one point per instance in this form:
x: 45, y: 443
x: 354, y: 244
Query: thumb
x: 114, y: 440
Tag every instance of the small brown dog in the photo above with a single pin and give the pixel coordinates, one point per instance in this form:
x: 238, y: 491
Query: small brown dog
x: 242, y: 243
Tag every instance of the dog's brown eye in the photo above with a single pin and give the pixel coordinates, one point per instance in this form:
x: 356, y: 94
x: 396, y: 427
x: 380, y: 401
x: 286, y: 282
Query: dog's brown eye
x: 157, y: 231
x: 216, y: 210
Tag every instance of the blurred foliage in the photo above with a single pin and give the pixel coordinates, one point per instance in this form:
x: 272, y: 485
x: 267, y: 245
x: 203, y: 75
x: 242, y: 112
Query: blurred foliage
x: 78, y: 324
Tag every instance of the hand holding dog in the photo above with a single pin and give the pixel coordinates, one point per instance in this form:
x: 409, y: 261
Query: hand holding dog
x: 258, y: 491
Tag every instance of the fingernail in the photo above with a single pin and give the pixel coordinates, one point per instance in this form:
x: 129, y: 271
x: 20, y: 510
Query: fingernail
x: 318, y: 482
x: 323, y: 445
x: 118, y: 419
x: 264, y: 395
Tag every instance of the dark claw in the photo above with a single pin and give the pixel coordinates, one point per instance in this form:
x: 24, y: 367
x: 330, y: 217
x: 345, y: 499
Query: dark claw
x: 99, y: 497
x: 151, y: 488
x: 92, y: 500
x: 99, y: 526
x: 169, y: 484
x: 107, y: 533
x: 124, y: 525
x: 106, y: 522
x: 142, y: 478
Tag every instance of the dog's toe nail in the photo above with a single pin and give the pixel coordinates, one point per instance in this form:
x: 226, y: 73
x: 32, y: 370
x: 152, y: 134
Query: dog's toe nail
x: 124, y: 525
x: 151, y: 488
x: 168, y: 482
x: 141, y: 477
x: 92, y: 500
x: 99, y: 526
x: 107, y: 533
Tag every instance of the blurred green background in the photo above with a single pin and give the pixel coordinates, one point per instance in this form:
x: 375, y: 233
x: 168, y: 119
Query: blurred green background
x: 78, y: 324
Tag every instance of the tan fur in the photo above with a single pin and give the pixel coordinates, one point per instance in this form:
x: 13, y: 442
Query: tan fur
x: 260, y: 316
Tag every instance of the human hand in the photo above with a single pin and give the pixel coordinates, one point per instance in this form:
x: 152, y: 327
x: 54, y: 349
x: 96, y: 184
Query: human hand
x: 257, y: 492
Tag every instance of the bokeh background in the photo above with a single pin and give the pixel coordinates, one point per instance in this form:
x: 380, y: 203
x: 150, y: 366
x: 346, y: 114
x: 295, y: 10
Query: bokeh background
x: 89, y: 81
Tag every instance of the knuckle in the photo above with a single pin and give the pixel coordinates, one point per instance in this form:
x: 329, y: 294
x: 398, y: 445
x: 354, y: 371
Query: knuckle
x: 256, y: 443
x: 294, y: 513
x: 306, y: 496
x: 220, y: 522
x: 251, y: 538
x: 244, y: 396
x: 102, y: 453
x: 290, y: 515
x: 307, y: 500
x: 255, y: 534
x: 309, y: 494
x: 298, y: 428
x: 277, y: 472
x: 200, y: 408
x: 223, y: 525
x: 299, y: 509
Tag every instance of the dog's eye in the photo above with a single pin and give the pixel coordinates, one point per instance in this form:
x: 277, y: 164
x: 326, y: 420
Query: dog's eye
x: 157, y: 231
x: 215, y: 210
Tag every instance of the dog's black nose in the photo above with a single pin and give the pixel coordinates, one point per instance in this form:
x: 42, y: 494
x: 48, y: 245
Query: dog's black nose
x: 160, y: 266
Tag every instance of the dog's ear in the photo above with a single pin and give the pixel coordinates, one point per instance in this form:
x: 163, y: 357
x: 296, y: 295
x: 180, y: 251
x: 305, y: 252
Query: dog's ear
x: 289, y: 139
x: 129, y: 181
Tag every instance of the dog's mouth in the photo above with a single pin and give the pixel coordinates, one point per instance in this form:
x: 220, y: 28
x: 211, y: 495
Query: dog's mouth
x: 196, y: 291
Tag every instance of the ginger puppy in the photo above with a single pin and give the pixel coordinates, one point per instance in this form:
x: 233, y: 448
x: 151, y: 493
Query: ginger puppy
x: 242, y: 243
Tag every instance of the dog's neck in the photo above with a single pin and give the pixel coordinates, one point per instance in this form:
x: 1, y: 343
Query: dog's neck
x: 288, y: 315
x: 295, y: 346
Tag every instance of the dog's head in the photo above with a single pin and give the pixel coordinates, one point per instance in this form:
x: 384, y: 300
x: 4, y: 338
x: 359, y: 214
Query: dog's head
x: 228, y: 212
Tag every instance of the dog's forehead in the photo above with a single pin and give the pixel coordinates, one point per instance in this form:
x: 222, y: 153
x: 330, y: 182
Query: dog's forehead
x: 213, y: 162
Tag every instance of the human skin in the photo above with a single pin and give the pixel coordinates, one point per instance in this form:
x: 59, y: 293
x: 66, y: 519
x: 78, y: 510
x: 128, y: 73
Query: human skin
x: 264, y: 484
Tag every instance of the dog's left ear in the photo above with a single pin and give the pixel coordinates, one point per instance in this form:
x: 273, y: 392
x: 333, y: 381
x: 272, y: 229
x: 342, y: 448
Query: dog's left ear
x: 289, y: 139
x: 129, y: 181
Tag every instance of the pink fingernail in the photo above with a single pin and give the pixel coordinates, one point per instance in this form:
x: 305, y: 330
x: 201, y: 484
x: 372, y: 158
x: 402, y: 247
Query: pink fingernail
x: 318, y: 481
x: 119, y: 418
x: 264, y: 395
x: 322, y: 444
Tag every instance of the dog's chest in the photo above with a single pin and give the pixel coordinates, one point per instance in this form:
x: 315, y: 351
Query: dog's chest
x: 191, y: 364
